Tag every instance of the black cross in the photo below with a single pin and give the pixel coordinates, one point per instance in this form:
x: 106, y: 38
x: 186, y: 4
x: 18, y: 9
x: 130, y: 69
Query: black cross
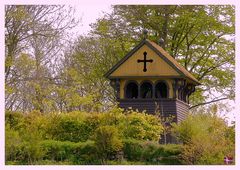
x: 145, y: 61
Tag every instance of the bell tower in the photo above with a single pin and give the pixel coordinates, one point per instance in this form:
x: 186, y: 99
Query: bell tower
x: 149, y: 79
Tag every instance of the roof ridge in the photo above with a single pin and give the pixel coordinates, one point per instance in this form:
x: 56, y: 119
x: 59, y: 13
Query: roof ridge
x: 173, y: 60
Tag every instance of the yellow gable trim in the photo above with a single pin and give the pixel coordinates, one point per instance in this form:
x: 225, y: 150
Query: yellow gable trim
x: 132, y: 68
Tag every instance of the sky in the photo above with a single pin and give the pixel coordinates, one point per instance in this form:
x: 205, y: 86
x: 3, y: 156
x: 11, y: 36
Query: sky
x: 89, y: 14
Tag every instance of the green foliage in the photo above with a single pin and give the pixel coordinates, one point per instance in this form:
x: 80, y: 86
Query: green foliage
x: 195, y: 35
x: 76, y: 153
x: 72, y: 130
x: 85, y: 154
x: 66, y: 127
x: 152, y: 152
x: 24, y: 148
x: 80, y: 126
x: 164, y: 154
x: 106, y: 129
x: 108, y: 141
x: 57, y: 150
x: 23, y: 137
x: 142, y: 126
x: 14, y: 119
x: 93, y: 138
x: 133, y: 150
x: 34, y: 38
x: 12, y: 144
x: 204, y: 139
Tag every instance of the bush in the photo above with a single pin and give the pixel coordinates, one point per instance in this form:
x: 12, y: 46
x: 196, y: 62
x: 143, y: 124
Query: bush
x: 151, y: 152
x: 15, y: 120
x: 77, y: 153
x: 71, y: 127
x: 31, y: 150
x: 204, y: 139
x: 108, y: 142
x: 12, y: 144
x: 24, y: 148
x: 161, y: 154
x: 80, y: 126
x: 57, y: 150
x: 133, y: 150
x: 61, y: 137
x: 166, y: 154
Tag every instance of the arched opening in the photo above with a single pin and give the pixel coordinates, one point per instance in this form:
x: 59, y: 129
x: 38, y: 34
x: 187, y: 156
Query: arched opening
x: 131, y: 91
x: 146, y: 90
x: 161, y: 90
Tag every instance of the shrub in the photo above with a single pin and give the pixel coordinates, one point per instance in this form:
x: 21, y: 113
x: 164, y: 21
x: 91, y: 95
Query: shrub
x: 85, y: 154
x: 72, y: 127
x: 71, y: 130
x: 57, y: 150
x: 63, y: 137
x: 114, y: 117
x: 151, y: 152
x: 108, y: 141
x: 77, y: 153
x: 24, y: 148
x: 142, y: 126
x: 204, y: 139
x: 133, y: 150
x: 166, y: 155
x: 80, y: 126
x: 12, y: 144
x: 31, y: 150
x: 15, y: 120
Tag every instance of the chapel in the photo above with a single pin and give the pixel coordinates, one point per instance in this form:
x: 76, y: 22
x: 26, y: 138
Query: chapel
x: 149, y: 79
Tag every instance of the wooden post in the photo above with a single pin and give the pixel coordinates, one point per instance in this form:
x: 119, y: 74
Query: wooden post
x: 118, y: 88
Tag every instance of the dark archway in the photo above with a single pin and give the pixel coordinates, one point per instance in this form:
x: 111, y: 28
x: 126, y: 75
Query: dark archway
x: 131, y: 91
x: 146, y: 90
x: 161, y: 90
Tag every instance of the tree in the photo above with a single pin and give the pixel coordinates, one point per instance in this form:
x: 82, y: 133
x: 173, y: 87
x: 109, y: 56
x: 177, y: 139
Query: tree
x: 34, y: 36
x: 71, y: 78
x: 83, y: 69
x: 199, y: 37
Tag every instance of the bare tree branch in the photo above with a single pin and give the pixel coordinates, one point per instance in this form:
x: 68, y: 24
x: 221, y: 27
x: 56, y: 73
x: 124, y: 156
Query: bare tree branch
x: 205, y: 103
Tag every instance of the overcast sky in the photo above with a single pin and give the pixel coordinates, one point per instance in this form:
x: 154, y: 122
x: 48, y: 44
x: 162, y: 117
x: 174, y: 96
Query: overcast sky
x: 89, y: 14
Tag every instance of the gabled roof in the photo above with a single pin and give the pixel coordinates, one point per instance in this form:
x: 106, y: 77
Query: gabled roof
x: 161, y: 53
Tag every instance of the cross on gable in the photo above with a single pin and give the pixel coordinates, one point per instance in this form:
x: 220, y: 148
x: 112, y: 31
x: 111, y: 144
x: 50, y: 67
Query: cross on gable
x: 145, y: 61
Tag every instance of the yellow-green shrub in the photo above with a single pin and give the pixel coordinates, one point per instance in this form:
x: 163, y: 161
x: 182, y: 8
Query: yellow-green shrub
x: 108, y: 141
x: 204, y: 138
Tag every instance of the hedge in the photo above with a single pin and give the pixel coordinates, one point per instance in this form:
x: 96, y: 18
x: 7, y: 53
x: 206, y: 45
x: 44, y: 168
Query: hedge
x: 77, y: 153
x: 152, y: 152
